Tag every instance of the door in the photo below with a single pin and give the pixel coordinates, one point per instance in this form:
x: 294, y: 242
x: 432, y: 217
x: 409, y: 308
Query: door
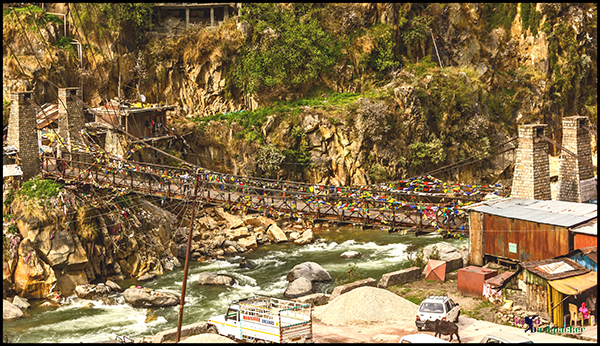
x: 452, y: 309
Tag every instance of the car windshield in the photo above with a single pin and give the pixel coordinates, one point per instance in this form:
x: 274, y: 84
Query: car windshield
x: 431, y: 307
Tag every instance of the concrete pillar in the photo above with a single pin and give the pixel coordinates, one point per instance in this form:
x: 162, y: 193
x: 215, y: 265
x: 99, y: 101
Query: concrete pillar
x: 23, y: 134
x: 70, y: 118
x: 187, y: 18
x: 573, y: 170
x: 212, y: 16
x: 531, y: 179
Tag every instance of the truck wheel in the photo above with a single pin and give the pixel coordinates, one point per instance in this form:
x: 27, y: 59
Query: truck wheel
x: 260, y: 341
x: 212, y: 330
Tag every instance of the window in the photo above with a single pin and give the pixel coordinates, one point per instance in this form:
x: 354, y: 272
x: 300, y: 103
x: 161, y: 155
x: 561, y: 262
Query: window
x: 432, y: 307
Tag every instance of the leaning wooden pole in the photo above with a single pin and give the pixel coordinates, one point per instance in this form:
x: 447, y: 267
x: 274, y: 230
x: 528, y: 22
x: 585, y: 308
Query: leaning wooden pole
x: 187, y: 262
x: 436, y: 50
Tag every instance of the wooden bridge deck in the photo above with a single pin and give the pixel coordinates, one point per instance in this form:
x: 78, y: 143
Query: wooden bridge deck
x: 270, y: 197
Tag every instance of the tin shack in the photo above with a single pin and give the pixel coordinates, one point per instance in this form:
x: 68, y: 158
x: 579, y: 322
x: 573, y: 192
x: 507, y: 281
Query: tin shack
x: 552, y: 284
x: 515, y: 230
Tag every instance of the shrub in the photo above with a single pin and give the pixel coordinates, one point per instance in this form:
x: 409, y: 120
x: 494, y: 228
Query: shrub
x: 349, y: 276
x: 40, y: 189
x: 269, y: 159
x: 417, y: 31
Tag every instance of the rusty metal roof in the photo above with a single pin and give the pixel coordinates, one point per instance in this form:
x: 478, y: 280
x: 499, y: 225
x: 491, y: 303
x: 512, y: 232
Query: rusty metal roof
x: 557, y: 213
x: 554, y: 268
x: 499, y: 279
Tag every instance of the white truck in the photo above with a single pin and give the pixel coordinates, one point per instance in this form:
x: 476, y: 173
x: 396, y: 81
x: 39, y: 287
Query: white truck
x: 265, y: 319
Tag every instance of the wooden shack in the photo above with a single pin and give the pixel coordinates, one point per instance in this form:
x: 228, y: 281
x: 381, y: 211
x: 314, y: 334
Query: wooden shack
x: 552, y: 284
x: 134, y: 120
x: 516, y: 230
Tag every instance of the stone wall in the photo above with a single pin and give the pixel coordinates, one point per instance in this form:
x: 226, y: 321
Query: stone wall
x: 22, y: 133
x: 531, y: 178
x: 400, y: 277
x: 573, y: 170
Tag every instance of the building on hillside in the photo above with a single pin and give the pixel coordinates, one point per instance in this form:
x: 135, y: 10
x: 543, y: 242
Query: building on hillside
x: 140, y: 122
x: 586, y: 256
x: 550, y: 285
x: 518, y: 230
x: 174, y: 18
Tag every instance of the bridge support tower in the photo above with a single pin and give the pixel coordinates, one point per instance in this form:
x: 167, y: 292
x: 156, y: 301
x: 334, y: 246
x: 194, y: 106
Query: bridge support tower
x: 573, y: 171
x: 70, y: 118
x: 531, y: 179
x: 22, y: 133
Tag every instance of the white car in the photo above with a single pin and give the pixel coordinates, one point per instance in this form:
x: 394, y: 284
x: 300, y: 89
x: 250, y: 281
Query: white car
x: 437, y: 308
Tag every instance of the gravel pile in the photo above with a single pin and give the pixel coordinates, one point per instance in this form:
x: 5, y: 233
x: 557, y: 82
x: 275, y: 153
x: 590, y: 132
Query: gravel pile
x: 364, y: 305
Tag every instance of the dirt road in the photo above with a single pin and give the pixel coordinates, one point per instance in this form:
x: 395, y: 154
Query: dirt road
x: 470, y: 330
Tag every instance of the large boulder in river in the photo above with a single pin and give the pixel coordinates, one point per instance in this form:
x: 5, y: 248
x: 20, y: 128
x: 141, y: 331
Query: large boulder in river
x: 208, y: 278
x: 232, y: 220
x: 142, y: 297
x: 302, y: 286
x: 114, y: 286
x: 310, y: 270
x: 10, y: 311
x: 90, y: 291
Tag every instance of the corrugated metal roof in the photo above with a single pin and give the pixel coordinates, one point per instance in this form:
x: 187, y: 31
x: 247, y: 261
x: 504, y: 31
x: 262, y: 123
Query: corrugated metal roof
x: 557, y: 213
x: 575, y: 284
x: 589, y: 227
x: 543, y: 272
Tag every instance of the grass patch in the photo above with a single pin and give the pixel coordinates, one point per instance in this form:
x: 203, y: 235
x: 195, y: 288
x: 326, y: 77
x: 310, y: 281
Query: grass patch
x: 477, y: 313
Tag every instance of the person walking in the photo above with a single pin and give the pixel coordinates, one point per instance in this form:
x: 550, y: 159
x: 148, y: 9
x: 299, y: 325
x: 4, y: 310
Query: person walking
x: 591, y: 305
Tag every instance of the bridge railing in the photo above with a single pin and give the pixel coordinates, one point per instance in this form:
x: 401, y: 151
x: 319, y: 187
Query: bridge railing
x: 361, y: 206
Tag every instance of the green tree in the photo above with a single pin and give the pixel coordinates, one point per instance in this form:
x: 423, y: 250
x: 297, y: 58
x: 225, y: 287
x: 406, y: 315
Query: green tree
x: 289, y: 48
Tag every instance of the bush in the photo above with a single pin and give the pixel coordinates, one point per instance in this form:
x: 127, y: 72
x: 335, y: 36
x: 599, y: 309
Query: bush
x: 349, y: 276
x: 269, y: 159
x: 40, y: 189
x: 417, y: 31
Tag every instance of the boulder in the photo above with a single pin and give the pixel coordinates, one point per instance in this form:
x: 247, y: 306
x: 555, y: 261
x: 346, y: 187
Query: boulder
x: 300, y: 287
x: 305, y: 238
x: 351, y: 254
x: 207, y: 223
x: 90, y: 291
x: 146, y: 277
x: 246, y: 264
x: 452, y: 255
x: 232, y: 221
x: 339, y: 290
x: 276, y: 234
x: 310, y: 270
x: 208, y: 278
x: 142, y: 297
x: 67, y: 282
x: 188, y: 330
x: 399, y: 277
x: 238, y: 233
x: 248, y: 242
x: 114, y: 286
x: 257, y: 221
x: 10, y: 311
x: 314, y: 299
x: 21, y: 303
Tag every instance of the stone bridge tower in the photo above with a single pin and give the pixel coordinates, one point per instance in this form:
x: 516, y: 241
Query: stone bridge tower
x: 574, y: 170
x: 22, y: 132
x: 531, y: 179
x: 70, y: 118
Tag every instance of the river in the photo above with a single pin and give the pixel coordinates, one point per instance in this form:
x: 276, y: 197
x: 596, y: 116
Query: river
x: 76, y: 321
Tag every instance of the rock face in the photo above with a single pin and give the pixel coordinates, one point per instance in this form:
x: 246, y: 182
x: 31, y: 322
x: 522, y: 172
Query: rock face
x: 10, y: 311
x: 208, y: 278
x: 90, y: 291
x: 145, y: 297
x: 33, y: 277
x: 310, y: 270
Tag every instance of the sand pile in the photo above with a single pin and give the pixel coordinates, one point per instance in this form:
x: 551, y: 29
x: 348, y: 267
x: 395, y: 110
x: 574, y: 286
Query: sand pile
x: 365, y: 305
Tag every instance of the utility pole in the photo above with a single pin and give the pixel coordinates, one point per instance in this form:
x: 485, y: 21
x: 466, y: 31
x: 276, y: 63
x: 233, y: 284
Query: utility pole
x: 187, y: 263
x: 436, y: 50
